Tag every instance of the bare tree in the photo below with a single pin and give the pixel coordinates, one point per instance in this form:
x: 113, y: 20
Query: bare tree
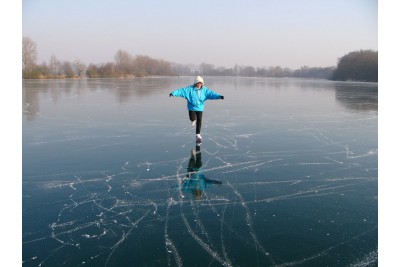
x: 54, y: 65
x: 122, y: 57
x: 92, y: 71
x: 123, y: 62
x: 29, y: 55
x: 108, y: 70
x: 66, y: 67
x: 79, y: 67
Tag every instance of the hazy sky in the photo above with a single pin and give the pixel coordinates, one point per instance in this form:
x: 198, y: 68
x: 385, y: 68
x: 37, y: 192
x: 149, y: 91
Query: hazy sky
x: 288, y: 33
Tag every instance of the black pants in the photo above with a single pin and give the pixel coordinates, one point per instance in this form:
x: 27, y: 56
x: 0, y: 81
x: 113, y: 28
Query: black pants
x: 196, y: 116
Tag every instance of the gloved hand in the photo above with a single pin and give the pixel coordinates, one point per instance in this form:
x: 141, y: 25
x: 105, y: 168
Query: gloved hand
x: 221, y: 97
x: 170, y: 95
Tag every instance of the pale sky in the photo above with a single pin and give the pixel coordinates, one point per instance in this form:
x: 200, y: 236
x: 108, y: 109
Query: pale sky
x: 288, y: 33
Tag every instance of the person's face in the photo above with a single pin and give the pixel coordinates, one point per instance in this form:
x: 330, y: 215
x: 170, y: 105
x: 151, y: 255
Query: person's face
x: 199, y: 85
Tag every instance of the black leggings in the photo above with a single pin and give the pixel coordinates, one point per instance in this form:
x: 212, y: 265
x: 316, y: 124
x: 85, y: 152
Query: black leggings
x: 196, y: 116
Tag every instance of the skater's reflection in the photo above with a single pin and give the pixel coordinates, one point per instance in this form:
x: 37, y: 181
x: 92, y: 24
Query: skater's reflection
x: 195, y: 180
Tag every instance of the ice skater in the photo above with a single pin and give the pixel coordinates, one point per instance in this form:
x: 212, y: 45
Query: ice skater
x: 196, y: 96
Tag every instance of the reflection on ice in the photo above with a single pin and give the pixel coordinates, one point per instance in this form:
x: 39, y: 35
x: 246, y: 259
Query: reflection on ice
x: 195, y: 180
x: 264, y: 188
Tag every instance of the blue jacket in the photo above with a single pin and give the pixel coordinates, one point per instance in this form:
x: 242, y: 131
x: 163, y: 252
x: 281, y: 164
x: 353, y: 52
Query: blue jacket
x: 196, y: 98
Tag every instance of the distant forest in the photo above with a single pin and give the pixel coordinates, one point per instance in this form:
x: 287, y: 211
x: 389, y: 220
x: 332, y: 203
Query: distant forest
x: 356, y: 66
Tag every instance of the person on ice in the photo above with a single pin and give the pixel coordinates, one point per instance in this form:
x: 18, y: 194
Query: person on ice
x: 196, y: 96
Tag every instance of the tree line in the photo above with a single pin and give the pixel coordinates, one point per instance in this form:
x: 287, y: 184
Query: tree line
x: 360, y: 65
x: 357, y: 66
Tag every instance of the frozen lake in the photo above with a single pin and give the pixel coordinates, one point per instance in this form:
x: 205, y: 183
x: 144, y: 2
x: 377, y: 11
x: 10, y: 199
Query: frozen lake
x: 286, y: 174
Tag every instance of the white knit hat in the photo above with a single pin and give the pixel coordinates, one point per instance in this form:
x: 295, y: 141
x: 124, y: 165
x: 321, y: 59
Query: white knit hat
x: 198, y: 80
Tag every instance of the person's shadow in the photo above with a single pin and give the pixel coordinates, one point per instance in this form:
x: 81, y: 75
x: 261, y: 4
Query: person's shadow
x: 195, y: 181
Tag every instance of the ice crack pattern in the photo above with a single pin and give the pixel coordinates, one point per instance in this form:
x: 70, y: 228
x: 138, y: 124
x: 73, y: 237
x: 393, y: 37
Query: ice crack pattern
x: 101, y: 216
x: 265, y: 188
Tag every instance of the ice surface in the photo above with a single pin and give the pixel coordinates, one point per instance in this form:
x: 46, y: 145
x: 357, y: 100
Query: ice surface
x: 112, y: 175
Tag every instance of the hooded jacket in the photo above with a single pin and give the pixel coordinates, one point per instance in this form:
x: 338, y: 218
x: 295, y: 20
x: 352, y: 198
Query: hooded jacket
x: 196, y: 98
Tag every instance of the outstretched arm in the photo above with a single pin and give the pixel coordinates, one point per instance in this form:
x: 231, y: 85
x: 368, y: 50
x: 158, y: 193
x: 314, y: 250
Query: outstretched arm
x: 213, y: 95
x: 181, y: 92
